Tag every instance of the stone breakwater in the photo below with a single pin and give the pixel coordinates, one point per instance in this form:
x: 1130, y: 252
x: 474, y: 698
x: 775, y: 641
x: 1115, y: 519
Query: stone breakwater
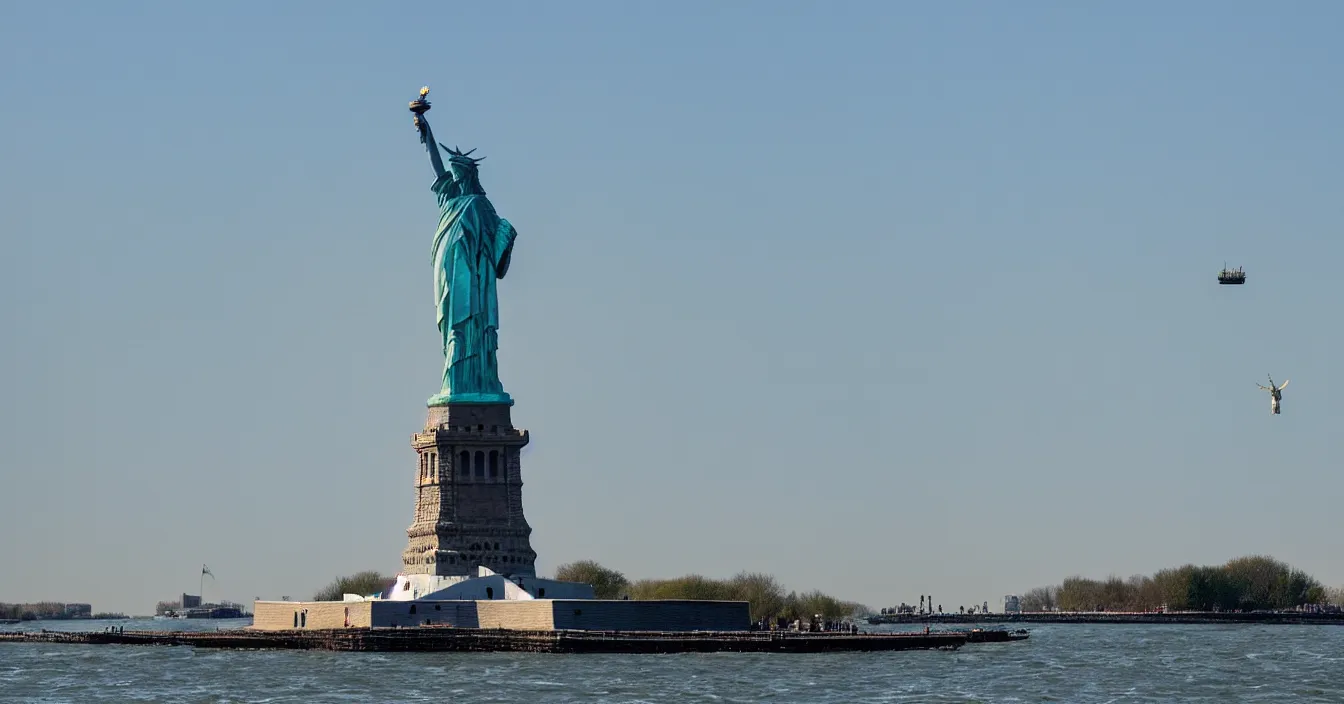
x: 482, y: 640
x: 1184, y: 617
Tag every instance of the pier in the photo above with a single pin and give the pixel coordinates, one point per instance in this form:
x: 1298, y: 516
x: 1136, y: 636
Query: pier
x: 428, y: 639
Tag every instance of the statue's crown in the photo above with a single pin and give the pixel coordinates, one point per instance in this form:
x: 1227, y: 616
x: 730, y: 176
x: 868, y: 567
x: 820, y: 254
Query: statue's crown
x: 460, y: 156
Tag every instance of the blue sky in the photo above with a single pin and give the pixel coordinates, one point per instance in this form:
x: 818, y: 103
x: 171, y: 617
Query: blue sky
x: 882, y: 298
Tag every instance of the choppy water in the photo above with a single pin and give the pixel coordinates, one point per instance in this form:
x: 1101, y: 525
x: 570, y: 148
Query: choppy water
x: 1060, y: 663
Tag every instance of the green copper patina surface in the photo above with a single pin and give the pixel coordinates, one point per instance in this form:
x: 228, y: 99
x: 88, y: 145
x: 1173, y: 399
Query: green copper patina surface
x: 471, y: 251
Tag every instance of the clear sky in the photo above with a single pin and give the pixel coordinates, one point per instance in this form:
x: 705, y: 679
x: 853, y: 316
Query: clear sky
x: 883, y: 298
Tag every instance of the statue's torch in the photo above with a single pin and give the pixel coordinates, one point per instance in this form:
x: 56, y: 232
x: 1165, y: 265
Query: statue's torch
x: 420, y: 105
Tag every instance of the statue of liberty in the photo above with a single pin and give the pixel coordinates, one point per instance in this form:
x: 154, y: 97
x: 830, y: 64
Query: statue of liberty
x: 471, y: 250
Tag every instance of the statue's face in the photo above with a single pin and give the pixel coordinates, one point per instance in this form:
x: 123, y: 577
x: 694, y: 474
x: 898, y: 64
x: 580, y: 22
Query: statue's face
x: 458, y: 170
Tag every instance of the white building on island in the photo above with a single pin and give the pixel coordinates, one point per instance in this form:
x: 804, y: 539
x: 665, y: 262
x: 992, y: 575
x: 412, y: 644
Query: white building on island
x: 487, y: 585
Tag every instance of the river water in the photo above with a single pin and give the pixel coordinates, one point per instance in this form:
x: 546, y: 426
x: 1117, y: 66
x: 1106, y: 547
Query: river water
x: 1060, y: 663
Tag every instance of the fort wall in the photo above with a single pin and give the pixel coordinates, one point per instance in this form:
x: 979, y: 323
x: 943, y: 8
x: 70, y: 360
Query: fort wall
x: 518, y: 615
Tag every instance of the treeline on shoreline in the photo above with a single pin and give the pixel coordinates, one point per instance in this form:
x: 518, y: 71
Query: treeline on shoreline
x: 1252, y: 583
x: 47, y: 611
x: 767, y: 596
x: 768, y: 599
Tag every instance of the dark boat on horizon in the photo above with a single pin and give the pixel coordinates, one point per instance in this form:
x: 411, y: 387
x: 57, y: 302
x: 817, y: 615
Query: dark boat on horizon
x: 1232, y: 277
x: 214, y: 612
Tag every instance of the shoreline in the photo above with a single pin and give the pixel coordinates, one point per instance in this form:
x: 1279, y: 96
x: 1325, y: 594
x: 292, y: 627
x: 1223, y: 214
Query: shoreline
x: 1185, y: 617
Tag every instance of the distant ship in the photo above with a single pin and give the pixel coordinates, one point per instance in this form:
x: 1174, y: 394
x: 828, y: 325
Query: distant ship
x: 207, y: 611
x: 191, y: 606
x: 1232, y: 277
x: 215, y: 611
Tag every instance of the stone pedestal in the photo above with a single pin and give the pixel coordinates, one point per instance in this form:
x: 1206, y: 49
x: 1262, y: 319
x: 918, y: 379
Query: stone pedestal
x: 469, y: 495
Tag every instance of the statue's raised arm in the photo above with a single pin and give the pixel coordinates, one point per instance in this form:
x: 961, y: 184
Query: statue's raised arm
x: 419, y: 107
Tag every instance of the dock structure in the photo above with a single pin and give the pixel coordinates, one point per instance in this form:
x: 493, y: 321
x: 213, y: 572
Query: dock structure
x: 429, y: 639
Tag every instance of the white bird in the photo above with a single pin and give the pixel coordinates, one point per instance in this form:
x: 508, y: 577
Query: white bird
x: 1275, y: 394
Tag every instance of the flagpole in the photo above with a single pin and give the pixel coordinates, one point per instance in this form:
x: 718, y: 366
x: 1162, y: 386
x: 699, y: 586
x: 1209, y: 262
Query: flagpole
x: 201, y: 591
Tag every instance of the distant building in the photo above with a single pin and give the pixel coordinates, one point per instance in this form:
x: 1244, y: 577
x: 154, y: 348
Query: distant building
x: 78, y: 611
x: 1012, y: 604
x: 190, y: 602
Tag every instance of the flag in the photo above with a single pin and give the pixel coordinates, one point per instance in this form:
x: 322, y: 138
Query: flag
x: 206, y: 570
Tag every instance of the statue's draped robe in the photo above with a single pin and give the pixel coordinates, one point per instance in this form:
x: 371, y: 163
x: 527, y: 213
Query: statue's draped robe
x: 471, y: 250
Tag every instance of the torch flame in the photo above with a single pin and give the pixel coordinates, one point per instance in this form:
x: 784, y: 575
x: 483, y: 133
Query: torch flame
x: 424, y: 91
